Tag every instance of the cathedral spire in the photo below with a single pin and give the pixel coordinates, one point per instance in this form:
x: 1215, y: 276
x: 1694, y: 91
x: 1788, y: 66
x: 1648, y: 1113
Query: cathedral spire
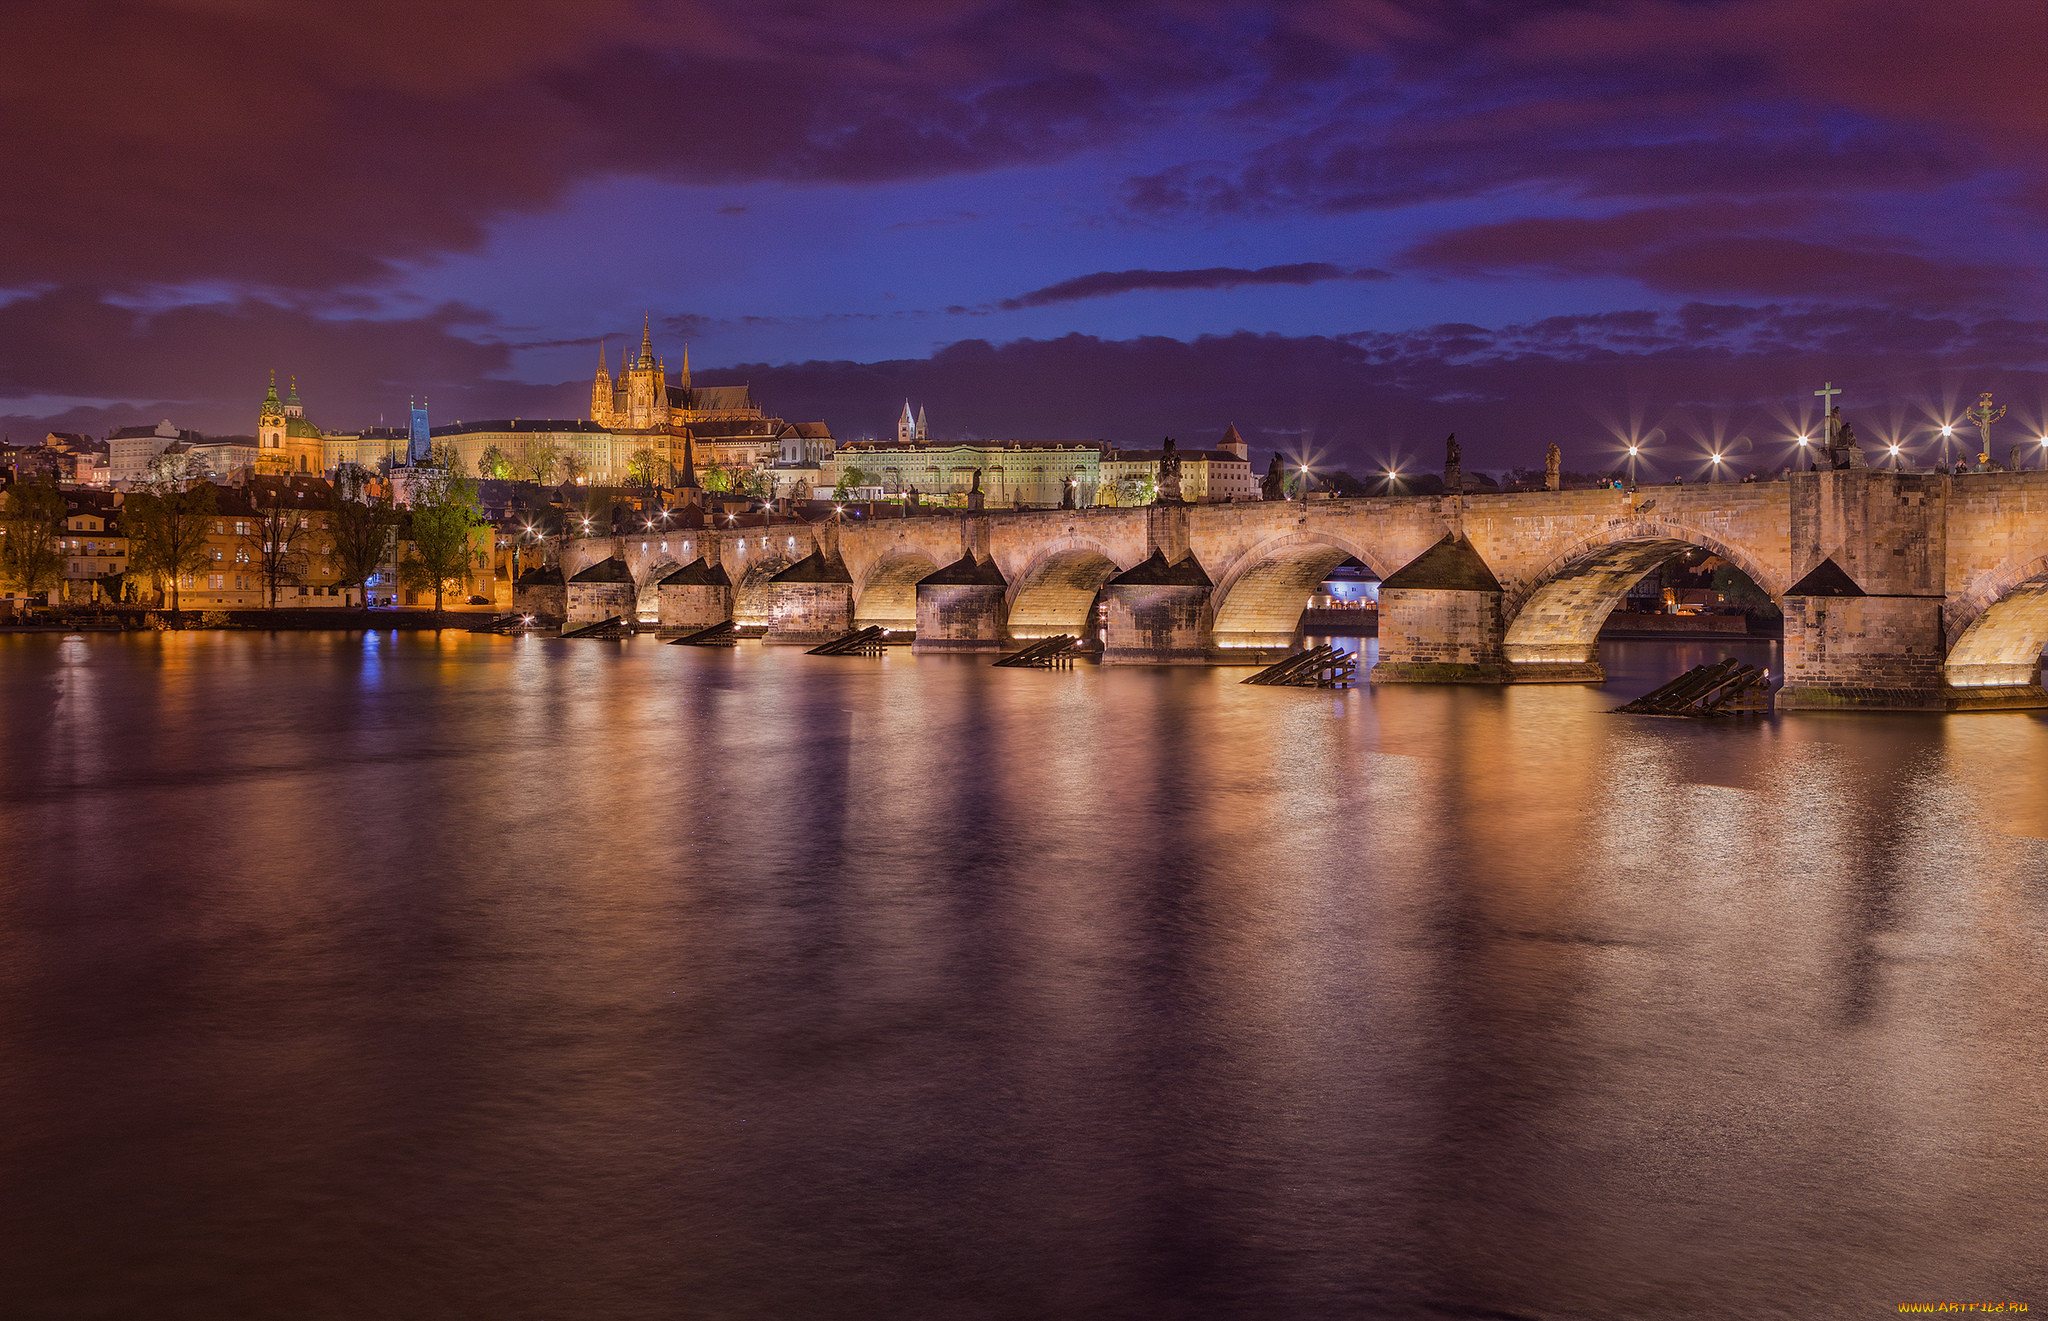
x: 647, y: 341
x: 684, y: 379
x: 688, y: 481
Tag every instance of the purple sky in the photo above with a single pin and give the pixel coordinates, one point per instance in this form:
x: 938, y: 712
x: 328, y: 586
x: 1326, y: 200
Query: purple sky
x: 1347, y: 227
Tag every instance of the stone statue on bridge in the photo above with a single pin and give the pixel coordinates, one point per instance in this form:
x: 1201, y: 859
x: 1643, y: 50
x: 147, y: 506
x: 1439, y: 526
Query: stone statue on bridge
x: 1274, y: 486
x: 1169, y: 475
x: 1553, y: 460
x: 1843, y: 451
x: 975, y: 499
x: 1454, y: 464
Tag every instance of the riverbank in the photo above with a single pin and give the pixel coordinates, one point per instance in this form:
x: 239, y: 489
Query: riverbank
x: 293, y: 619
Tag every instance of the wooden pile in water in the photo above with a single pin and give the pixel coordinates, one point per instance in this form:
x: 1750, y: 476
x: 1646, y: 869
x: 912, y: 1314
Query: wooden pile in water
x: 1318, y: 667
x: 861, y: 642
x: 615, y: 627
x: 1722, y: 688
x: 1053, y: 653
x: 718, y: 635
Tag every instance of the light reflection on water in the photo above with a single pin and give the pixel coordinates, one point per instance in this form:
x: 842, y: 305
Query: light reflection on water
x: 448, y: 974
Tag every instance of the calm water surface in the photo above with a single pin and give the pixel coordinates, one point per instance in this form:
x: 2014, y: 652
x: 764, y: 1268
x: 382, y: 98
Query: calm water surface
x: 412, y: 976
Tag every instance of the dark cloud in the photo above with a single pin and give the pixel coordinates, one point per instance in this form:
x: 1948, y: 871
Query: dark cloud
x: 1712, y: 249
x: 1507, y: 391
x: 316, y: 144
x: 1728, y: 369
x: 1103, y: 284
x: 206, y: 366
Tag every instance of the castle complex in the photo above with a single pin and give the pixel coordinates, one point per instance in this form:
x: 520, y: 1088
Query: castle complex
x: 637, y: 413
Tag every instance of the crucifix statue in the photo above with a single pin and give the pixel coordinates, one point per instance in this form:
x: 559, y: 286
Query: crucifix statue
x: 1984, y: 414
x: 1826, y: 394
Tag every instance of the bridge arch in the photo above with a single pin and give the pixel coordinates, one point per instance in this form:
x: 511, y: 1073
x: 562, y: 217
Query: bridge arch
x: 1260, y: 592
x: 2000, y: 626
x: 1054, y: 591
x: 1555, y: 616
x: 648, y: 600
x: 887, y: 593
x: 750, y: 565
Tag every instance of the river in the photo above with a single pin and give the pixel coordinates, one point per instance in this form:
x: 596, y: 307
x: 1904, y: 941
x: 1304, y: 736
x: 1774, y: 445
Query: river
x: 443, y: 975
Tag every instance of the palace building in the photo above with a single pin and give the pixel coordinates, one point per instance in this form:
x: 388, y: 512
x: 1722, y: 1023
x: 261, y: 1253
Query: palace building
x: 631, y: 415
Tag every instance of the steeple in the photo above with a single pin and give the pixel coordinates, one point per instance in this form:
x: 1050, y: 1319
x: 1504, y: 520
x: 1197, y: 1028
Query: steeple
x: 688, y: 480
x: 922, y: 434
x: 646, y: 342
x: 684, y: 379
x: 292, y: 406
x: 906, y: 426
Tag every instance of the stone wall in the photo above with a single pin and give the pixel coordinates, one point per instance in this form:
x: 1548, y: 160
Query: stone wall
x: 1434, y: 635
x: 1871, y: 652
x: 807, y: 613
x: 591, y: 603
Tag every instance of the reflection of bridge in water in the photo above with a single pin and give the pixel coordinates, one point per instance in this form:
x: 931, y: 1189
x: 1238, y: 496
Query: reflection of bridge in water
x: 1899, y: 589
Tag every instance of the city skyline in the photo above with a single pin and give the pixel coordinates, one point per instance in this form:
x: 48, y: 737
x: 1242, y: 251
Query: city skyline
x: 1347, y: 230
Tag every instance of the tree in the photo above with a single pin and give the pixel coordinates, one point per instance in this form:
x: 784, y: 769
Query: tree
x: 1134, y: 491
x: 363, y: 522
x: 493, y: 463
x: 30, y: 556
x: 536, y: 462
x: 172, y: 466
x: 166, y: 522
x: 273, y: 539
x: 573, y: 467
x: 849, y: 478
x: 715, y: 478
x: 444, y: 509
x: 648, y: 470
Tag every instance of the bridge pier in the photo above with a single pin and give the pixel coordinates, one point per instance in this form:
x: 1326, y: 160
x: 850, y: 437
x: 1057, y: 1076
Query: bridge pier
x: 600, y: 592
x: 1440, y: 620
x: 810, y: 602
x: 961, y: 608
x: 694, y: 597
x: 1158, y: 614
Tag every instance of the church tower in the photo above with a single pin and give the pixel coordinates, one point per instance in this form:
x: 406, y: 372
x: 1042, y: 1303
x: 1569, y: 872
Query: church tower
x: 270, y: 428
x: 922, y: 434
x: 906, y: 426
x: 646, y: 388
x: 601, y: 390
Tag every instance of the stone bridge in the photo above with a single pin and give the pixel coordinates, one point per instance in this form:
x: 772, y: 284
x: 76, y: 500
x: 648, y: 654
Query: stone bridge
x: 1900, y: 590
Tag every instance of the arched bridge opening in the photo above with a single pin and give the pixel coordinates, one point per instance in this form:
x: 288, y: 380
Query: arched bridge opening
x: 1057, y: 593
x: 1554, y: 629
x: 648, y: 602
x: 2003, y: 645
x: 888, y: 596
x: 1261, y: 596
x: 750, y: 563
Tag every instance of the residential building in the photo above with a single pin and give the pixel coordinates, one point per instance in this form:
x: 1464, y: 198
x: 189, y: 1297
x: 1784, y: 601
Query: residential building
x: 1218, y: 476
x: 95, y: 551
x: 130, y: 449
